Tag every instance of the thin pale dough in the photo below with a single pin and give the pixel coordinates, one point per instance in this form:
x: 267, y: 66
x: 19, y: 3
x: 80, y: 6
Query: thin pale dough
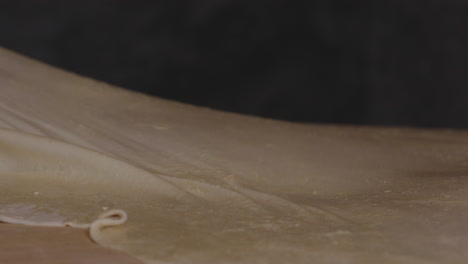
x: 201, y: 186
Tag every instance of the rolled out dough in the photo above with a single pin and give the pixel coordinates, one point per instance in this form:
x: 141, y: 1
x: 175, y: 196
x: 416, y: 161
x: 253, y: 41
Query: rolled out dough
x: 174, y: 183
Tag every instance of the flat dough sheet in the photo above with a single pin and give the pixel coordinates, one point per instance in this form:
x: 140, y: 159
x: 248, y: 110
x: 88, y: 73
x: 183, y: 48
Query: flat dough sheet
x: 174, y: 183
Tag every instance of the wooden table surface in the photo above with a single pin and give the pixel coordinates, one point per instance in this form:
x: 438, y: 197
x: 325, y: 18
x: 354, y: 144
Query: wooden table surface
x: 48, y: 245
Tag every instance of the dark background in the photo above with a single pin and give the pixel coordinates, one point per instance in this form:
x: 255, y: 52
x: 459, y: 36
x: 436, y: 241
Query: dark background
x: 383, y: 62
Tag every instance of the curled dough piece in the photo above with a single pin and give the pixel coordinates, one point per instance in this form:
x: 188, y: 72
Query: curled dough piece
x: 113, y: 217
